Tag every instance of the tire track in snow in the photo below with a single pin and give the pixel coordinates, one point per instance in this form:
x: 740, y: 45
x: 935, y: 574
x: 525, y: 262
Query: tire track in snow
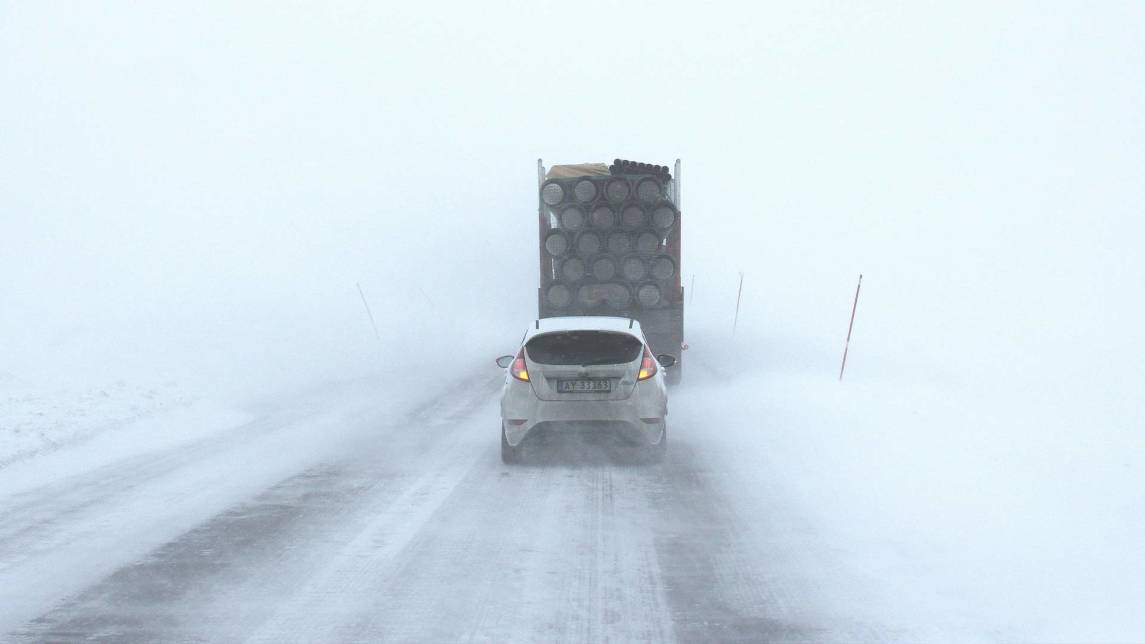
x: 351, y: 575
x: 515, y: 554
x: 422, y: 535
x: 184, y: 482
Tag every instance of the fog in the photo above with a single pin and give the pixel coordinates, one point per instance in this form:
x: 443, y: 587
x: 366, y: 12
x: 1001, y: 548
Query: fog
x: 190, y: 196
x: 206, y: 185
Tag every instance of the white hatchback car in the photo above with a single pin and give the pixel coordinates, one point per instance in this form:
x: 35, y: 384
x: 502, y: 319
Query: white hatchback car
x: 585, y: 373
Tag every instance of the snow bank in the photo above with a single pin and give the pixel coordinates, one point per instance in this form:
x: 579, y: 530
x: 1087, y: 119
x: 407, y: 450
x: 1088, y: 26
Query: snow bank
x: 35, y: 418
x: 1002, y: 508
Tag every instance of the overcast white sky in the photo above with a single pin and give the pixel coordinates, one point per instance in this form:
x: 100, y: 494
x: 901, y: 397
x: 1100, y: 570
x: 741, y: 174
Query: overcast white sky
x: 203, y: 183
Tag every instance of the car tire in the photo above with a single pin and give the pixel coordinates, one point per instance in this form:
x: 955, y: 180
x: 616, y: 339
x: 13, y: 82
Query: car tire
x: 658, y: 452
x: 509, y: 455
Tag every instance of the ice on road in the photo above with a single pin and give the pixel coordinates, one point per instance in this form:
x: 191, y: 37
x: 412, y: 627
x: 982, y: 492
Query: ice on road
x: 352, y: 520
x: 361, y: 512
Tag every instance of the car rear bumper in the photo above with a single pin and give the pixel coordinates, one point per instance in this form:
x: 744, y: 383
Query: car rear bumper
x: 640, y: 417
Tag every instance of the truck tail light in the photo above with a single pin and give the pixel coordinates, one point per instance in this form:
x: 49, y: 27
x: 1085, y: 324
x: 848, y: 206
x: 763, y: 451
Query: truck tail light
x: 647, y: 366
x: 520, y: 371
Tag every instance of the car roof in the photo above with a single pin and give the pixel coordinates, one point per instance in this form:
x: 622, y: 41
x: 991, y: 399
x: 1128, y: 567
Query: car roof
x: 627, y: 326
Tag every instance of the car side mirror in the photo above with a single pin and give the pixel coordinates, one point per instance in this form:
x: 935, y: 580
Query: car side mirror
x: 666, y: 360
x: 504, y: 361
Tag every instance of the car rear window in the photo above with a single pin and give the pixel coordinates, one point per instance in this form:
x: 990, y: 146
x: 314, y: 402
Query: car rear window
x: 583, y: 348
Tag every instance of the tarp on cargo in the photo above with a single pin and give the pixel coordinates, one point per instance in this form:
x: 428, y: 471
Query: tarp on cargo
x: 577, y: 170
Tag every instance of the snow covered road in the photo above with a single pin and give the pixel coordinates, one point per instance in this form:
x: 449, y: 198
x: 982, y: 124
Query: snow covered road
x: 340, y: 518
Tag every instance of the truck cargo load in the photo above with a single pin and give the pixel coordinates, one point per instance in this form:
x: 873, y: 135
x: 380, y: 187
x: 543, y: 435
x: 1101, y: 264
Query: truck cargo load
x: 610, y: 244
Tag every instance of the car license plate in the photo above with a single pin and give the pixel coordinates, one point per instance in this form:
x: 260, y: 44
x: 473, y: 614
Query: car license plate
x: 584, y: 386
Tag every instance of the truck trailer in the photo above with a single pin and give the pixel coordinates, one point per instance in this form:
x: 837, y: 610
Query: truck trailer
x: 609, y: 237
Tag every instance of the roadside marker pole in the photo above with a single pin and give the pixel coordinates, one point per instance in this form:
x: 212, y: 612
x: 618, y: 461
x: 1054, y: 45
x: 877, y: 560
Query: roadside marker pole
x: 739, y: 294
x: 367, y: 305
x: 692, y: 291
x: 423, y: 294
x: 849, y: 327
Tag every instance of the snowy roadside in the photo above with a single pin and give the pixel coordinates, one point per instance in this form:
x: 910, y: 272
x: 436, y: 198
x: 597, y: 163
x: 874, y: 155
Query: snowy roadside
x: 64, y: 432
x: 36, y: 419
x: 164, y: 474
x: 980, y: 507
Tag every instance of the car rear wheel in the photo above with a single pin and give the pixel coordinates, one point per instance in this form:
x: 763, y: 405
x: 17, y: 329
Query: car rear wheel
x: 509, y: 454
x: 658, y: 452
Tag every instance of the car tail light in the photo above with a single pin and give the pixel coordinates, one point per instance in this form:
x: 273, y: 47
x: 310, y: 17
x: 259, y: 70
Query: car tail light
x: 518, y: 368
x: 647, y: 366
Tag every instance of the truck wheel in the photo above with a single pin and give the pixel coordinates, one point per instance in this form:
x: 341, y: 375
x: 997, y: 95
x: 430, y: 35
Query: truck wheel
x: 509, y: 454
